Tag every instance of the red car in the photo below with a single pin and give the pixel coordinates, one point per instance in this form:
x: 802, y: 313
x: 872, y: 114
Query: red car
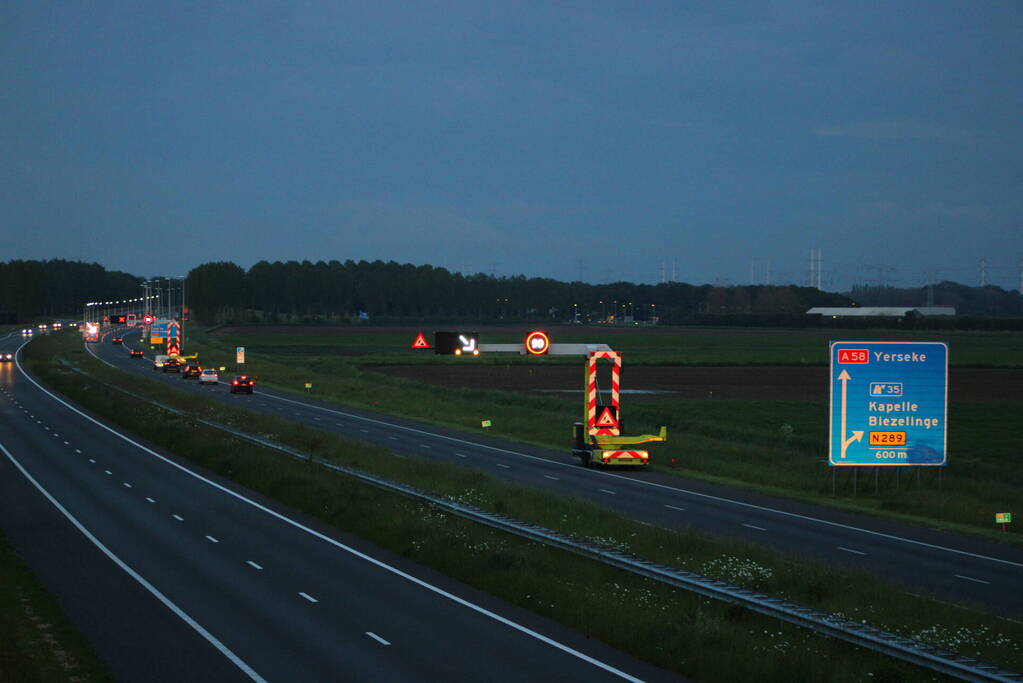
x: 137, y: 353
x: 117, y: 340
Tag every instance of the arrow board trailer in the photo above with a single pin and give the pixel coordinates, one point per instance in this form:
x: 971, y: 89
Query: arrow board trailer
x: 598, y: 440
x: 889, y: 404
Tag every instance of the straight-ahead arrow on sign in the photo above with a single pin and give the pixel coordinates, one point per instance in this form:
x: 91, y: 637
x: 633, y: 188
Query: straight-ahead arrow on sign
x: 856, y: 435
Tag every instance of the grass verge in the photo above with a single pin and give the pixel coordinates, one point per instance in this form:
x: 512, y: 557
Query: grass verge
x: 37, y: 642
x: 671, y: 628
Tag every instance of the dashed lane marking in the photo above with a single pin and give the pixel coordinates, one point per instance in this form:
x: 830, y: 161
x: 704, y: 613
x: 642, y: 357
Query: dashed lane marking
x: 253, y: 564
x: 970, y: 578
x: 178, y: 517
x: 850, y: 550
x: 308, y: 597
x: 754, y: 526
x: 212, y: 540
x: 377, y: 638
x: 608, y: 491
x: 672, y: 507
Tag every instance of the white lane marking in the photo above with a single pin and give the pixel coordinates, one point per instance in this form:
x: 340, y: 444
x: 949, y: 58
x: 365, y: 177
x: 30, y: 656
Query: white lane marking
x: 297, y: 413
x: 235, y: 659
x: 212, y: 540
x: 393, y: 438
x: 93, y: 354
x: 44, y: 426
x: 78, y: 451
x: 178, y: 517
x: 341, y: 546
x: 56, y: 434
x: 970, y: 578
x: 641, y: 482
x: 150, y: 499
x: 253, y: 564
x: 377, y: 638
x: 608, y: 491
x: 423, y: 445
x: 127, y: 485
x: 318, y: 419
x: 501, y: 464
x: 850, y: 550
x: 754, y: 526
x: 551, y: 477
x: 92, y: 461
x: 67, y: 443
x: 340, y: 424
x: 672, y: 507
x: 308, y: 597
x: 109, y: 472
x: 461, y: 455
x: 364, y: 431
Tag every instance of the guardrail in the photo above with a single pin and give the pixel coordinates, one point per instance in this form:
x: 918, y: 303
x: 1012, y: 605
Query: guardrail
x: 878, y: 640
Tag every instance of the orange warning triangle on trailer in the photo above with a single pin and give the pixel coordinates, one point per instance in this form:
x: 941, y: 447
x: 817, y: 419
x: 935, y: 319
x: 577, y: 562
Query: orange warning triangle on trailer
x: 607, y: 418
x: 420, y: 342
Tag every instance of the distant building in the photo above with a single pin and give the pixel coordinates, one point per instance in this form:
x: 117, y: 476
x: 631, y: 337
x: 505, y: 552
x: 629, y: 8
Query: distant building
x: 879, y: 311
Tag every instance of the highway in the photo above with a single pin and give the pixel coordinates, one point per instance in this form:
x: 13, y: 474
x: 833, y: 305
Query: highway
x: 949, y: 566
x: 175, y: 574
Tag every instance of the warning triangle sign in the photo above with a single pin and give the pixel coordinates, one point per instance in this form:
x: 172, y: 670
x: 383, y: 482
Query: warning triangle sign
x: 607, y: 418
x: 420, y: 342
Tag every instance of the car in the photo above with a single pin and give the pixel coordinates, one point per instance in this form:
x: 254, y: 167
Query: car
x: 117, y: 340
x: 171, y: 365
x: 190, y: 370
x: 243, y: 383
x: 27, y: 332
x: 6, y: 357
x: 209, y: 376
x: 136, y: 353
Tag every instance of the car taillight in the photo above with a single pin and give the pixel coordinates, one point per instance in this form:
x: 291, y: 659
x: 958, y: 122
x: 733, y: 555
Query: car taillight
x: 235, y: 382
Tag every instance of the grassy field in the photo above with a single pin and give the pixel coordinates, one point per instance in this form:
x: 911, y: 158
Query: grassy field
x: 696, y: 637
x: 778, y: 447
x: 660, y: 346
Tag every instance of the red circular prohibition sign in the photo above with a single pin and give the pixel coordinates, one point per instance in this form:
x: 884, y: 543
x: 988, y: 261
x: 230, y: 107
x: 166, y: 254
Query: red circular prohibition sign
x: 537, y: 343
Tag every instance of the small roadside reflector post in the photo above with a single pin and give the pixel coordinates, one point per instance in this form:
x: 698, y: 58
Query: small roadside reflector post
x: 485, y: 424
x: 1003, y: 518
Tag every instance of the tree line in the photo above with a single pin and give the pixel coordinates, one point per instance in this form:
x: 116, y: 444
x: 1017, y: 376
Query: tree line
x: 324, y: 291
x: 54, y: 288
x: 336, y: 291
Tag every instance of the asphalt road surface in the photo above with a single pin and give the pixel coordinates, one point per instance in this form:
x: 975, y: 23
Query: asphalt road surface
x: 175, y: 574
x: 950, y: 566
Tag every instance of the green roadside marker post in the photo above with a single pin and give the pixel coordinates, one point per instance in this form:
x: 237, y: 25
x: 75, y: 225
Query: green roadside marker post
x: 485, y: 424
x: 1003, y: 518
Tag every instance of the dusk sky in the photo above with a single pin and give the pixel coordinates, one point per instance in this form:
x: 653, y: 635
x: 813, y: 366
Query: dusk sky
x: 574, y: 140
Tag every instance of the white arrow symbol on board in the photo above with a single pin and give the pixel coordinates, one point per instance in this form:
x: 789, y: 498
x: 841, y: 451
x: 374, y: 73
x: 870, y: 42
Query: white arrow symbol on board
x: 856, y: 435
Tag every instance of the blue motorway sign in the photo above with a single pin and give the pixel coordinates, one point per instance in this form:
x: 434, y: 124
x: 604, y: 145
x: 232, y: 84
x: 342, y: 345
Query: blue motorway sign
x: 889, y: 403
